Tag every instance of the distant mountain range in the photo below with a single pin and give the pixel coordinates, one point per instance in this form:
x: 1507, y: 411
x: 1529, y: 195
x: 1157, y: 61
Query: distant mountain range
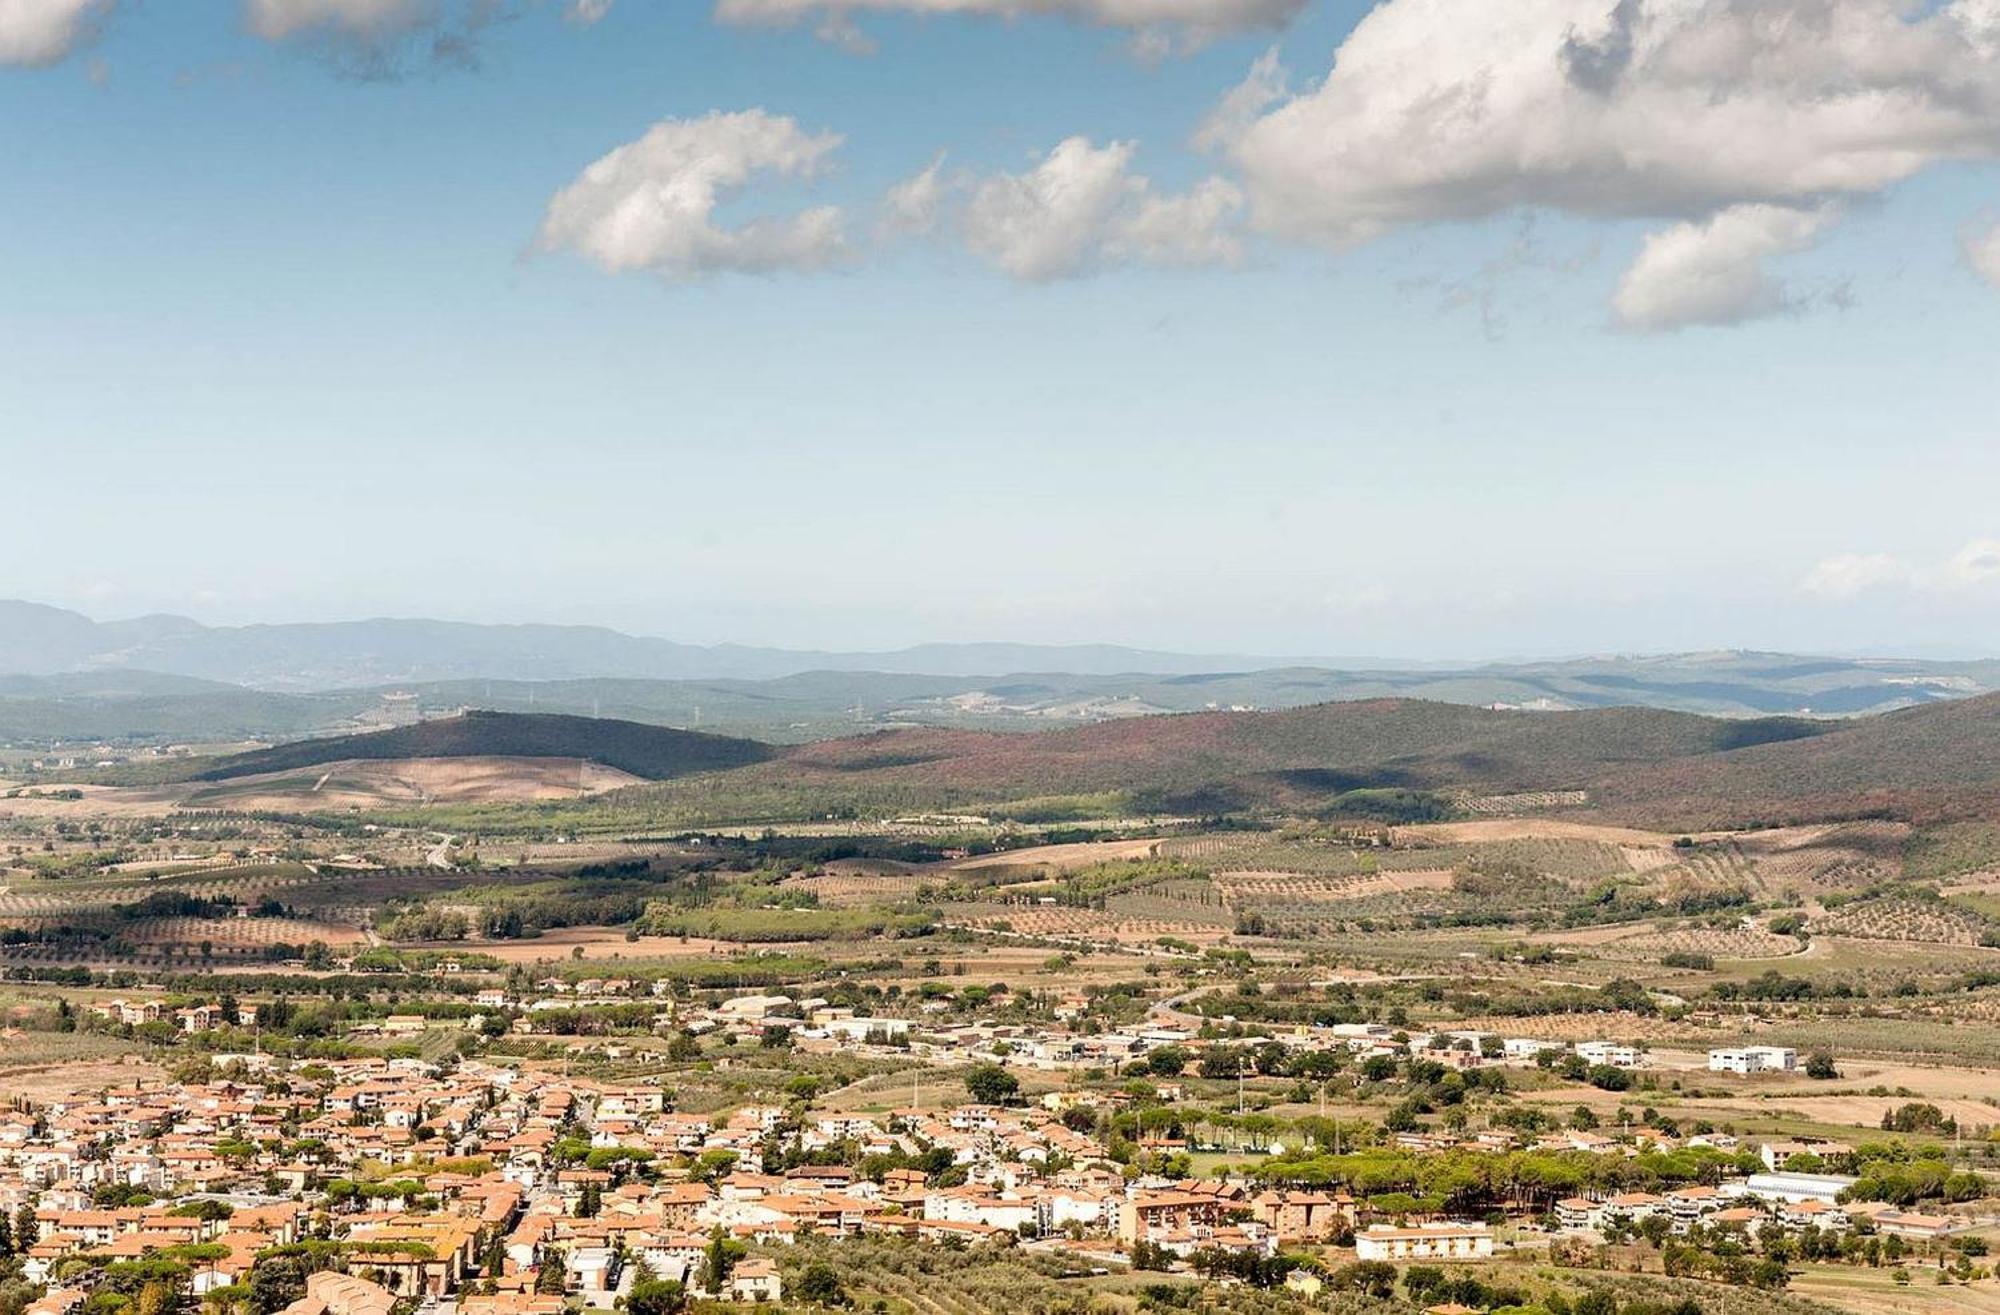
x: 39, y: 640
x: 170, y: 679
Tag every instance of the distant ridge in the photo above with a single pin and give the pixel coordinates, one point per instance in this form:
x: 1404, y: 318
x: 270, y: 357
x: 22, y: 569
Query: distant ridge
x: 653, y: 752
x: 39, y: 640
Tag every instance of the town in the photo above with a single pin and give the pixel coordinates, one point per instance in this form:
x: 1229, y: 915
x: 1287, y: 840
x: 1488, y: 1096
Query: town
x: 368, y: 1184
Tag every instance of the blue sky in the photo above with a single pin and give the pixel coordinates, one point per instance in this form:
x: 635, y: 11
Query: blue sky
x: 297, y: 328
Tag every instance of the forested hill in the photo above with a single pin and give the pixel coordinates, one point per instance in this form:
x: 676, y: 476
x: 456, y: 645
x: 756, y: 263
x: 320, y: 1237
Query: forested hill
x: 1297, y: 759
x: 654, y: 752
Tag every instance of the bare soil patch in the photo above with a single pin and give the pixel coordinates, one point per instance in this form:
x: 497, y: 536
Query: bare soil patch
x: 1059, y: 858
x: 411, y: 782
x: 1525, y: 828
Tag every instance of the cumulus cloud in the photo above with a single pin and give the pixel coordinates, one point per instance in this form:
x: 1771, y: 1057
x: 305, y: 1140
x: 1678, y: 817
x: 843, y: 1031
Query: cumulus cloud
x: 914, y: 207
x: 1452, y: 109
x: 1082, y: 205
x: 586, y: 12
x: 1242, y: 104
x: 1714, y: 271
x: 1982, y: 251
x: 1192, y: 20
x: 34, y: 33
x: 1196, y: 227
x: 650, y: 204
x: 1973, y: 567
x: 1689, y: 110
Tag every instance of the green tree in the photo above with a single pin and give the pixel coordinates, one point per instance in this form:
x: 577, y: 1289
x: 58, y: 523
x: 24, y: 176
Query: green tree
x: 820, y: 1285
x: 717, y: 1260
x: 990, y: 1084
x: 656, y: 1297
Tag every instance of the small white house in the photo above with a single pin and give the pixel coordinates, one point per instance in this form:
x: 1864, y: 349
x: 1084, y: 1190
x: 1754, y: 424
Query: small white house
x: 1754, y: 1059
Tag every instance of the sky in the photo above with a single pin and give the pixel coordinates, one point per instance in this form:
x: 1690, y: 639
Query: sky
x: 1421, y: 329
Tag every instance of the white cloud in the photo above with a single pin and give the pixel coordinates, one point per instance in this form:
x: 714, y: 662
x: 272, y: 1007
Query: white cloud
x: 1977, y: 563
x: 1973, y: 567
x: 1242, y: 104
x: 1048, y: 222
x: 1439, y: 110
x: 1193, y: 20
x: 1982, y: 251
x: 650, y: 204
x: 586, y: 12
x: 1082, y: 206
x: 1196, y: 227
x: 1713, y: 271
x: 39, y: 32
x: 913, y: 207
x: 1848, y: 574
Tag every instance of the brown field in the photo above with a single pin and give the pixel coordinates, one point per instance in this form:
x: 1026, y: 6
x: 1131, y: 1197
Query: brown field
x: 1292, y: 887
x: 414, y: 782
x: 1058, y: 858
x: 1524, y: 828
x: 389, y: 783
x: 1058, y: 923
x: 69, y: 1078
x: 1862, y: 1111
x: 594, y: 942
x: 856, y: 883
x: 99, y: 801
x: 1876, y: 1292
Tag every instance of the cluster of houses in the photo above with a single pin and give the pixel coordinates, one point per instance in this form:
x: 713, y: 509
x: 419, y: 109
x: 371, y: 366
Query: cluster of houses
x: 512, y: 1193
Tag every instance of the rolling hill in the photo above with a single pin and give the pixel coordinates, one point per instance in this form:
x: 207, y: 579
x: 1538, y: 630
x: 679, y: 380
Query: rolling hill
x: 1223, y: 761
x: 1369, y: 758
x: 1920, y: 764
x: 654, y: 753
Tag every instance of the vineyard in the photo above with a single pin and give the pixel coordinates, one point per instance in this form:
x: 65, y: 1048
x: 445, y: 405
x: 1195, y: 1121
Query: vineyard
x: 1056, y: 923
x: 1808, y: 860
x: 1735, y: 942
x: 1897, y: 918
x: 1241, y: 888
x: 854, y: 889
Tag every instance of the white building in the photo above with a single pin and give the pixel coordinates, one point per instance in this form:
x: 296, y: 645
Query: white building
x: 1526, y: 1047
x: 1444, y: 1241
x: 1754, y: 1059
x: 1794, y: 1188
x: 1608, y: 1052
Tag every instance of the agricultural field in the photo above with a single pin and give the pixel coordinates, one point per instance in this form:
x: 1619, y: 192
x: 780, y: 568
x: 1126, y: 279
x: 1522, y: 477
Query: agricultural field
x: 1076, y: 925
x: 1937, y: 922
x: 410, y: 783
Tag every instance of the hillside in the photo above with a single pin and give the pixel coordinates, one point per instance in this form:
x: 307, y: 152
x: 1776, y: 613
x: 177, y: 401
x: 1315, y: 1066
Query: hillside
x: 1928, y: 763
x: 1219, y: 761
x: 651, y: 752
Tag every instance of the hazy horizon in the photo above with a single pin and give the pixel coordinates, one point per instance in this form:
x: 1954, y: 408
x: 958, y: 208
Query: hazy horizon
x: 1357, y: 660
